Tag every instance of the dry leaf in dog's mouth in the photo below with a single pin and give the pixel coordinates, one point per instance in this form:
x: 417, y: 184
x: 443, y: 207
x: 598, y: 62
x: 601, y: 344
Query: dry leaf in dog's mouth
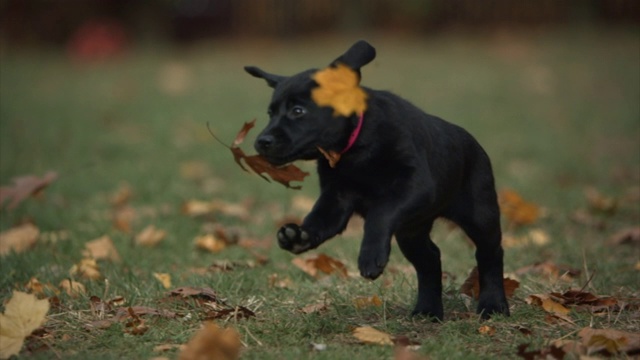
x: 338, y: 88
x: 281, y: 174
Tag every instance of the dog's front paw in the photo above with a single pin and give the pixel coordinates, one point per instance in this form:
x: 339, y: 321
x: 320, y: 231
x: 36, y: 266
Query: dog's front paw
x: 293, y: 238
x: 371, y: 264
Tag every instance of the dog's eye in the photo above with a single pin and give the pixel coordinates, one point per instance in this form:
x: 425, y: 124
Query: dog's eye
x: 297, y: 111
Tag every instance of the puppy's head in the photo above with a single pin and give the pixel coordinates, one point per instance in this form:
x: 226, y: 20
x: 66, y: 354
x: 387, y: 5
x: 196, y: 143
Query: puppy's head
x: 297, y: 126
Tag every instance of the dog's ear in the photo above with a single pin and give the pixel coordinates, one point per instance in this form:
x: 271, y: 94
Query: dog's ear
x: 359, y: 54
x: 272, y: 80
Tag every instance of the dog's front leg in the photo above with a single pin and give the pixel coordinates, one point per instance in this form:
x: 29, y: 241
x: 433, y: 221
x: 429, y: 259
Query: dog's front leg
x: 328, y: 218
x: 376, y: 244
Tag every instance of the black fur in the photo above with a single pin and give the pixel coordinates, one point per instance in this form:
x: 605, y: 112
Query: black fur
x: 406, y: 169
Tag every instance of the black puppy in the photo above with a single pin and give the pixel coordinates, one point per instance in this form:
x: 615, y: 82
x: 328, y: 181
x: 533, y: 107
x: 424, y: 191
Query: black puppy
x: 401, y: 170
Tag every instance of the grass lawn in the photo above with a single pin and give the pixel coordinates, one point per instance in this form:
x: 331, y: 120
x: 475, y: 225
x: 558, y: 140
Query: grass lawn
x: 558, y: 112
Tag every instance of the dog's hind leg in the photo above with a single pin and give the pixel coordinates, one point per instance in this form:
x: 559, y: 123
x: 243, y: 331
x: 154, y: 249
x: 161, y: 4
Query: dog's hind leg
x: 424, y: 255
x: 476, y: 211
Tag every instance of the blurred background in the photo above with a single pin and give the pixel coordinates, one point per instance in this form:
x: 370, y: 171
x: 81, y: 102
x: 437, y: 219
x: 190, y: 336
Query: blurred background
x: 106, y: 91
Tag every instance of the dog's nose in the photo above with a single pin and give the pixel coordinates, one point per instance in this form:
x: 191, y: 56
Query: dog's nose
x: 264, y: 142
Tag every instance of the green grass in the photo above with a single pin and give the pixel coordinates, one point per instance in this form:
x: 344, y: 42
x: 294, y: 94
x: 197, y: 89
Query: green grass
x: 556, y: 111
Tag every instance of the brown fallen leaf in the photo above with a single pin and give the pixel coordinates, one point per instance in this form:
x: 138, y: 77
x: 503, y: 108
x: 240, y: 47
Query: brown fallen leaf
x: 123, y: 217
x: 235, y: 313
x: 628, y: 236
x: 320, y: 263
x: 121, y: 196
x: 550, y: 306
x: 281, y: 174
x: 370, y: 335
x: 471, y: 286
x: 212, y: 343
x: 277, y: 282
x: 23, y: 187
x: 150, y: 236
x: 101, y: 248
x: 18, y: 239
x: 610, y: 341
x: 315, y: 308
x: 23, y: 313
x: 516, y: 209
x: 135, y: 325
x: 406, y: 353
x: 206, y: 295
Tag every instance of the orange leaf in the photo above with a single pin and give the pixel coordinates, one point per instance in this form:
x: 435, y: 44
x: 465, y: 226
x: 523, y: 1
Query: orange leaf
x: 516, y: 209
x: 332, y: 156
x: 610, y: 340
x: 338, y: 88
x: 320, y: 263
x: 101, y: 248
x: 212, y: 342
x: 471, y: 286
x: 365, y: 301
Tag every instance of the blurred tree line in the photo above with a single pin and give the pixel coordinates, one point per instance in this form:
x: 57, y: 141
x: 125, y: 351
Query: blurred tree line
x: 56, y: 21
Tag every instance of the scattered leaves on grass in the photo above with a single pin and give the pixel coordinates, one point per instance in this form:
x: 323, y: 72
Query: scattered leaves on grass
x: 86, y: 269
x: 366, y: 301
x: 282, y: 174
x: 22, y: 315
x: 338, y: 88
x: 101, y: 248
x: 150, y: 236
x: 72, y: 288
x: 369, y: 335
x: 23, y: 187
x: 320, y: 264
x: 628, y: 236
x: 516, y: 210
x: 164, y: 278
x: 610, y: 341
x: 212, y: 343
x: 471, y: 286
x: 18, y: 239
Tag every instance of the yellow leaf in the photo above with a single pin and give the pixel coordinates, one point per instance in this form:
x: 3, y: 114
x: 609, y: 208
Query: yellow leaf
x: 18, y: 238
x: 22, y: 315
x: 164, y: 278
x: 210, y: 243
x: 150, y: 236
x: 365, y: 301
x: 86, y: 268
x: 338, y: 88
x: 36, y: 287
x: 369, y: 335
x: 516, y: 209
x: 101, y: 248
x: 72, y: 288
x: 487, y: 330
x: 212, y: 343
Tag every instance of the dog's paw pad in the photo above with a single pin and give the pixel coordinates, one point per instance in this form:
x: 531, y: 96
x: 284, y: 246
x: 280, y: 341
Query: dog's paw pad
x: 292, y: 238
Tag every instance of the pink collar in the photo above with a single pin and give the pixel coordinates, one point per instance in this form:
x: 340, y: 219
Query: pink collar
x: 354, y: 134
